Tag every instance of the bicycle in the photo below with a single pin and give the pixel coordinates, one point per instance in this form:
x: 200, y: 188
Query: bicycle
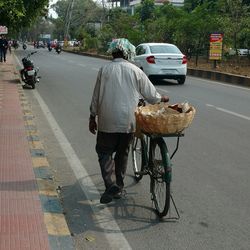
x: 150, y: 156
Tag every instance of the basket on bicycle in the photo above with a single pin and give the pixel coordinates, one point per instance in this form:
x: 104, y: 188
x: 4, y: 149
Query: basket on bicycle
x: 163, y: 118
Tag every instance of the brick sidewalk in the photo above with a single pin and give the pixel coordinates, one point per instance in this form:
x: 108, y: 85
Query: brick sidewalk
x: 23, y: 219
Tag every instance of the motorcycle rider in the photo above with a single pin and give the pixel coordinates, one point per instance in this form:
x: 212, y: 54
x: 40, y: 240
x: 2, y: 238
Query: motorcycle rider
x: 49, y: 46
x: 58, y: 47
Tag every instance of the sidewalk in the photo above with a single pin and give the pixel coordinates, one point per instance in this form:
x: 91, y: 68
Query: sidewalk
x: 31, y: 216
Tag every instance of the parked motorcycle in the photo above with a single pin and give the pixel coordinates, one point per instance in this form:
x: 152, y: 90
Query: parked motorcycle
x: 29, y: 71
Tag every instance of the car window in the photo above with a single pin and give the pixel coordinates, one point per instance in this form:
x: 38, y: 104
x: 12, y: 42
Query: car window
x: 159, y: 49
x: 140, y: 50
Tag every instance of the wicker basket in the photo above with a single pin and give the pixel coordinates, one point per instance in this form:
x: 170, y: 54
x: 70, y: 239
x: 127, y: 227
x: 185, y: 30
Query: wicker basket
x: 160, y: 119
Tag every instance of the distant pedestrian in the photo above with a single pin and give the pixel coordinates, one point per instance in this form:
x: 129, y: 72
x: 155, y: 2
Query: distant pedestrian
x: 15, y: 44
x: 3, y: 48
x: 9, y: 46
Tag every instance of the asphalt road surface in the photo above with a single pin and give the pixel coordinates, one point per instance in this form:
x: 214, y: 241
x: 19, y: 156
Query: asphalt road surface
x: 211, y: 170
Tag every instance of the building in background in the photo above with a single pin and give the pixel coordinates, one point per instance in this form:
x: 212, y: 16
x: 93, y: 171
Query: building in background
x: 131, y: 4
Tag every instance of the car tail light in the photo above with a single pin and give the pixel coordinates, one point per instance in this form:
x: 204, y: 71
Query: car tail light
x: 184, y: 60
x: 150, y: 59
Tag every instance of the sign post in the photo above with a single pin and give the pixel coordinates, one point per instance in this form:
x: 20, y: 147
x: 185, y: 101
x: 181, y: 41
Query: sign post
x: 3, y: 30
x: 215, y: 52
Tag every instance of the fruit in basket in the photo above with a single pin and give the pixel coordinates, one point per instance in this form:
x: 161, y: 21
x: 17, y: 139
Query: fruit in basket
x: 181, y: 107
x: 161, y: 109
x: 163, y: 118
x: 176, y: 107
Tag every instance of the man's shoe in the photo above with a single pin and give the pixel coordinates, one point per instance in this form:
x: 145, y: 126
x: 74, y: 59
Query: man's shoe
x: 106, y: 198
x: 114, y: 189
x: 110, y: 193
x: 121, y: 194
x: 118, y: 196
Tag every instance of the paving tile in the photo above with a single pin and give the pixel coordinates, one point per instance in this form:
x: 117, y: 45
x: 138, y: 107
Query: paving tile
x: 22, y: 224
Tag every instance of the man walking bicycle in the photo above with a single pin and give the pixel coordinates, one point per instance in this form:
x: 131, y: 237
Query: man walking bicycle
x: 119, y: 86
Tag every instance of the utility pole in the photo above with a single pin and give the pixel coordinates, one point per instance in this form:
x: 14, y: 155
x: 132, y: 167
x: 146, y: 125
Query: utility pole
x: 68, y: 19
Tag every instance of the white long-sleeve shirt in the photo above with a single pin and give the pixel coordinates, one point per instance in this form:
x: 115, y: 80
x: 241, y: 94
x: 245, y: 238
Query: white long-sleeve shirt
x: 118, y: 88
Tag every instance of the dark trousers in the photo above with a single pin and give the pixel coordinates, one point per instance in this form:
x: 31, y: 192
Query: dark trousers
x: 3, y: 54
x: 113, y: 150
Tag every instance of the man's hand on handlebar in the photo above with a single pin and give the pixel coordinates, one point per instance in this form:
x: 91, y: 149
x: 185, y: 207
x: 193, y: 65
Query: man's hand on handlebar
x: 164, y: 98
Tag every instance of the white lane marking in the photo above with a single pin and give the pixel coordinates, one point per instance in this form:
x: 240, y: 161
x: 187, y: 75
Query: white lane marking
x: 103, y: 217
x: 229, y: 112
x: 18, y: 61
x: 219, y: 83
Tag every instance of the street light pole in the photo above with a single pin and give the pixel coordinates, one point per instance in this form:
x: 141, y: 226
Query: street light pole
x: 68, y: 19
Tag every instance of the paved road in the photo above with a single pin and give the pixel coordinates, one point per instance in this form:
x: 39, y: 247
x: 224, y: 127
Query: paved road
x: 211, y: 173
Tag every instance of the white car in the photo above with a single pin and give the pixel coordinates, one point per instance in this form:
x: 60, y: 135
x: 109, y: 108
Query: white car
x: 161, y: 61
x: 242, y: 52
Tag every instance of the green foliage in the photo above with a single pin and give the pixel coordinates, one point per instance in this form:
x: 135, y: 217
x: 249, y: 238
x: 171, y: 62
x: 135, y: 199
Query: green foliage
x: 90, y: 43
x: 17, y: 14
x: 188, y: 27
x: 83, y: 14
x: 235, y: 21
x: 164, y: 26
x: 121, y: 24
x: 146, y: 10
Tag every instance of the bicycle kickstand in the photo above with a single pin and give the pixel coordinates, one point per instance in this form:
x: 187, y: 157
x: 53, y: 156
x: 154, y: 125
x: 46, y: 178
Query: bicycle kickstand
x: 176, y: 209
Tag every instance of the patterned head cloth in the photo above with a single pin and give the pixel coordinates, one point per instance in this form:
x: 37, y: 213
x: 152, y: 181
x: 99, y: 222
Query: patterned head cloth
x: 124, y: 45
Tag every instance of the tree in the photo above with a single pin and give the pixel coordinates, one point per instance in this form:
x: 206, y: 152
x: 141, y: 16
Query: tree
x: 194, y: 28
x: 40, y: 26
x: 190, y: 5
x: 163, y: 24
x: 121, y: 24
x: 236, y: 17
x: 146, y: 9
x: 17, y: 14
x: 83, y: 13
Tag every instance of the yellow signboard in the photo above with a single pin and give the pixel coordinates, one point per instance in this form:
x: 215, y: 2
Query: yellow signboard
x: 215, y: 52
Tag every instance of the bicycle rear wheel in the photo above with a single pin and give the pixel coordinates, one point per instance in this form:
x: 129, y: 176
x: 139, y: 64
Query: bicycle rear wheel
x: 161, y: 176
x: 138, y: 146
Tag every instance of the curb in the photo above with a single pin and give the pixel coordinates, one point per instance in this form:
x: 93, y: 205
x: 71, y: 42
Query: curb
x: 89, y: 54
x: 218, y: 76
x: 207, y: 74
x: 59, y: 235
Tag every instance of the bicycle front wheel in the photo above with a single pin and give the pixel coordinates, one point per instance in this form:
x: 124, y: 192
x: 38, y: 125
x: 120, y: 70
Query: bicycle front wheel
x: 138, y: 161
x: 161, y: 175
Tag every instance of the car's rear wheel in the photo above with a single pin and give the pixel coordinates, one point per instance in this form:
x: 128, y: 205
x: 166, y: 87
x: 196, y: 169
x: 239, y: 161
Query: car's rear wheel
x: 181, y: 80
